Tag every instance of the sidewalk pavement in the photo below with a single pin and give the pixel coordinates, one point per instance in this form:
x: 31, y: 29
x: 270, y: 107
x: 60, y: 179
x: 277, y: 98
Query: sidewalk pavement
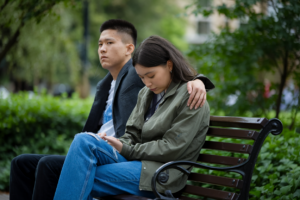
x: 4, y: 196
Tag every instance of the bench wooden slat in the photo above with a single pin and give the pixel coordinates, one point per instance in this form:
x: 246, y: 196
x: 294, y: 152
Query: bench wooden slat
x: 211, y: 193
x: 123, y: 197
x: 186, y: 198
x: 232, y: 133
x: 238, y: 122
x: 231, y: 147
x: 216, y: 180
x: 222, y: 160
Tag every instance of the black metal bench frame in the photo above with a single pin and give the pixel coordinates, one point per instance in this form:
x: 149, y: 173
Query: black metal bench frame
x: 244, y: 167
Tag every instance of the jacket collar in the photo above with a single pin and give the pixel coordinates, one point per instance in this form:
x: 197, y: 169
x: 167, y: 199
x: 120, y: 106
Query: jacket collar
x: 172, y: 89
x: 170, y: 92
x: 121, y: 74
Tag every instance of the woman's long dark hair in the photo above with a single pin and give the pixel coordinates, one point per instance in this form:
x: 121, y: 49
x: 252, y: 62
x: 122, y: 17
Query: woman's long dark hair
x: 155, y: 51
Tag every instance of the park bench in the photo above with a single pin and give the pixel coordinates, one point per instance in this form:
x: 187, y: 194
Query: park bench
x: 242, y: 128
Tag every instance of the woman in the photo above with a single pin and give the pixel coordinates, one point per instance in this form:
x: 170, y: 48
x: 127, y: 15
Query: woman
x: 161, y: 128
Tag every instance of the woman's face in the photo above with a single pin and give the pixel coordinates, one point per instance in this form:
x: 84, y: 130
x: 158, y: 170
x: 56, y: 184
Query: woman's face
x: 158, y: 78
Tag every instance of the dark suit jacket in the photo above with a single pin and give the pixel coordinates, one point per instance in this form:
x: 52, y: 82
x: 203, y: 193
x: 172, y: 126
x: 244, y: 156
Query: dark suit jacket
x: 128, y: 85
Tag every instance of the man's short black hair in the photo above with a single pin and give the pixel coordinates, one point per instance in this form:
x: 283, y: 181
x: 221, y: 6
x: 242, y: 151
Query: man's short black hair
x: 120, y: 26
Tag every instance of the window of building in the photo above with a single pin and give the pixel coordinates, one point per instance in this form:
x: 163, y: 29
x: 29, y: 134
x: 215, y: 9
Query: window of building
x: 203, y: 27
x: 244, y: 22
x: 204, y: 3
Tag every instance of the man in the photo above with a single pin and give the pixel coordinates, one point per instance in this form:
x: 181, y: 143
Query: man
x: 36, y: 176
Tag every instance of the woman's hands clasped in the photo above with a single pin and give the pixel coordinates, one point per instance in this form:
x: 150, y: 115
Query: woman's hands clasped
x: 112, y: 141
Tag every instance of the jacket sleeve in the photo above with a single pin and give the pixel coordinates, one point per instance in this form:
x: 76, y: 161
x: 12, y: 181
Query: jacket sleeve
x: 175, y: 141
x: 208, y: 84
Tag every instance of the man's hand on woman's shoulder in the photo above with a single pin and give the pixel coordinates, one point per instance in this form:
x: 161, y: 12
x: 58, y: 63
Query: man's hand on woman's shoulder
x: 197, y: 91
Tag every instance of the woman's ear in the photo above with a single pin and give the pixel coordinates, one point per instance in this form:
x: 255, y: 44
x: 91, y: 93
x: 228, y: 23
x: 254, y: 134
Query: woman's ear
x: 130, y: 49
x: 170, y: 65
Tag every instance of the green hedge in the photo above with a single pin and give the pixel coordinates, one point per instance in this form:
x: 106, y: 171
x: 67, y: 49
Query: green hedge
x: 47, y: 125
x: 41, y: 124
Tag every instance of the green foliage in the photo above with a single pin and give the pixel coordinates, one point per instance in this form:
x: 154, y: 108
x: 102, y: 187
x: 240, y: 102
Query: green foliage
x: 240, y: 61
x: 277, y: 171
x: 49, y: 44
x: 30, y: 123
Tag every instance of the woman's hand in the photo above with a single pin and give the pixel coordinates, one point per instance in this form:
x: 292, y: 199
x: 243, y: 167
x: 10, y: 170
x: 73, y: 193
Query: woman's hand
x: 101, y: 135
x: 114, y: 142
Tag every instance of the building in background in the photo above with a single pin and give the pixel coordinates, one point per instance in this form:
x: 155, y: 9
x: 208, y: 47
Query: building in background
x: 200, y: 27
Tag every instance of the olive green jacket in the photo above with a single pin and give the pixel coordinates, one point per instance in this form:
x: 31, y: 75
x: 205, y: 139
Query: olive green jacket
x: 174, y: 132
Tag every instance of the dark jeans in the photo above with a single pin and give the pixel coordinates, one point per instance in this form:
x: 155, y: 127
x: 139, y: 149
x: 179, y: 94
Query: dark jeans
x: 34, y: 176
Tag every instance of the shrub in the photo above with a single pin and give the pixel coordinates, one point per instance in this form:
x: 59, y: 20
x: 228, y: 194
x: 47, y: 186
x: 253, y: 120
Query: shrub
x: 37, y: 124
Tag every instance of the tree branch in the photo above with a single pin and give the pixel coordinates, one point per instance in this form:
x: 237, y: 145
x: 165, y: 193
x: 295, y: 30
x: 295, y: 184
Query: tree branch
x: 273, y: 5
x: 4, y: 5
x: 294, y: 63
x: 292, y: 68
x: 11, y: 42
x: 14, y: 38
x: 276, y: 63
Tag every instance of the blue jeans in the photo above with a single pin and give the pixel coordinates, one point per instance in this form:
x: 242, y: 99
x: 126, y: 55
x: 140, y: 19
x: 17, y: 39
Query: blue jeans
x: 93, y: 168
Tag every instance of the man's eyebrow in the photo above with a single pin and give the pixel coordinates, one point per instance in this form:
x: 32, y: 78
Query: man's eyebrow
x: 146, y: 73
x: 106, y: 39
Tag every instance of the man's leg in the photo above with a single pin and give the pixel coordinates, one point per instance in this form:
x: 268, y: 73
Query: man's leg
x: 119, y: 178
x: 85, y: 154
x: 47, y: 175
x: 22, y: 176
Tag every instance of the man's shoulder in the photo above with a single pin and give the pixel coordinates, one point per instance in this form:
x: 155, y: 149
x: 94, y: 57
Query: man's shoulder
x: 106, y: 81
x: 132, y: 73
x: 132, y: 78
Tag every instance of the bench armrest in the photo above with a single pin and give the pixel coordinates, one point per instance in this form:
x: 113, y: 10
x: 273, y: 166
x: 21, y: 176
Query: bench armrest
x: 160, y: 177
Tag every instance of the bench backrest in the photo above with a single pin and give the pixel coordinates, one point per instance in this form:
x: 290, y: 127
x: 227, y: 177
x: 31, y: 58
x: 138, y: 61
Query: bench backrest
x: 242, y: 128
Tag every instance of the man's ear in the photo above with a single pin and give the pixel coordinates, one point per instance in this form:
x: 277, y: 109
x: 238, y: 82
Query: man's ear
x: 130, y: 48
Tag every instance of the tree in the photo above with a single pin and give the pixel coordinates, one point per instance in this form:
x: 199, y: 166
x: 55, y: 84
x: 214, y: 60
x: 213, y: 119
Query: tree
x: 239, y: 60
x: 44, y: 53
x: 15, y: 15
x: 48, y: 46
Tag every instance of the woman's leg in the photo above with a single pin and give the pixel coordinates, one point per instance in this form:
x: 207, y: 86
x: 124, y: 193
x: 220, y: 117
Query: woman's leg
x: 85, y: 154
x: 119, y: 178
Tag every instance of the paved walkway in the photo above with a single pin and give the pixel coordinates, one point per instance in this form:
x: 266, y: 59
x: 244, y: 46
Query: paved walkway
x: 4, y: 196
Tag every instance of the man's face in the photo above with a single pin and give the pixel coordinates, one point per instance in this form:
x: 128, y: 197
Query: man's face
x: 111, y: 50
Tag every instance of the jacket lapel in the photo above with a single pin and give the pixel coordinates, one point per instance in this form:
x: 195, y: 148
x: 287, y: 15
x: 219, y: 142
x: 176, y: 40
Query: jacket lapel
x: 99, y: 104
x: 121, y: 74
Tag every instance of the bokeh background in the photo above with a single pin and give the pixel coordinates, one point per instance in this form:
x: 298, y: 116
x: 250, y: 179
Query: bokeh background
x: 250, y: 49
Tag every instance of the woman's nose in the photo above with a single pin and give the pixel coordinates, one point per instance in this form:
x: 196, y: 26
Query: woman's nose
x: 147, y: 83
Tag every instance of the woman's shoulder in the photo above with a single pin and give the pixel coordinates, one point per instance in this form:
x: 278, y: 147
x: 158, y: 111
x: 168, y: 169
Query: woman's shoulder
x: 144, y: 94
x: 183, y: 94
x: 144, y: 91
x: 182, y: 90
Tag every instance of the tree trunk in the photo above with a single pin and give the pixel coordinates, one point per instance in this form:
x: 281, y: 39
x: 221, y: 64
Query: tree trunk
x: 282, y: 82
